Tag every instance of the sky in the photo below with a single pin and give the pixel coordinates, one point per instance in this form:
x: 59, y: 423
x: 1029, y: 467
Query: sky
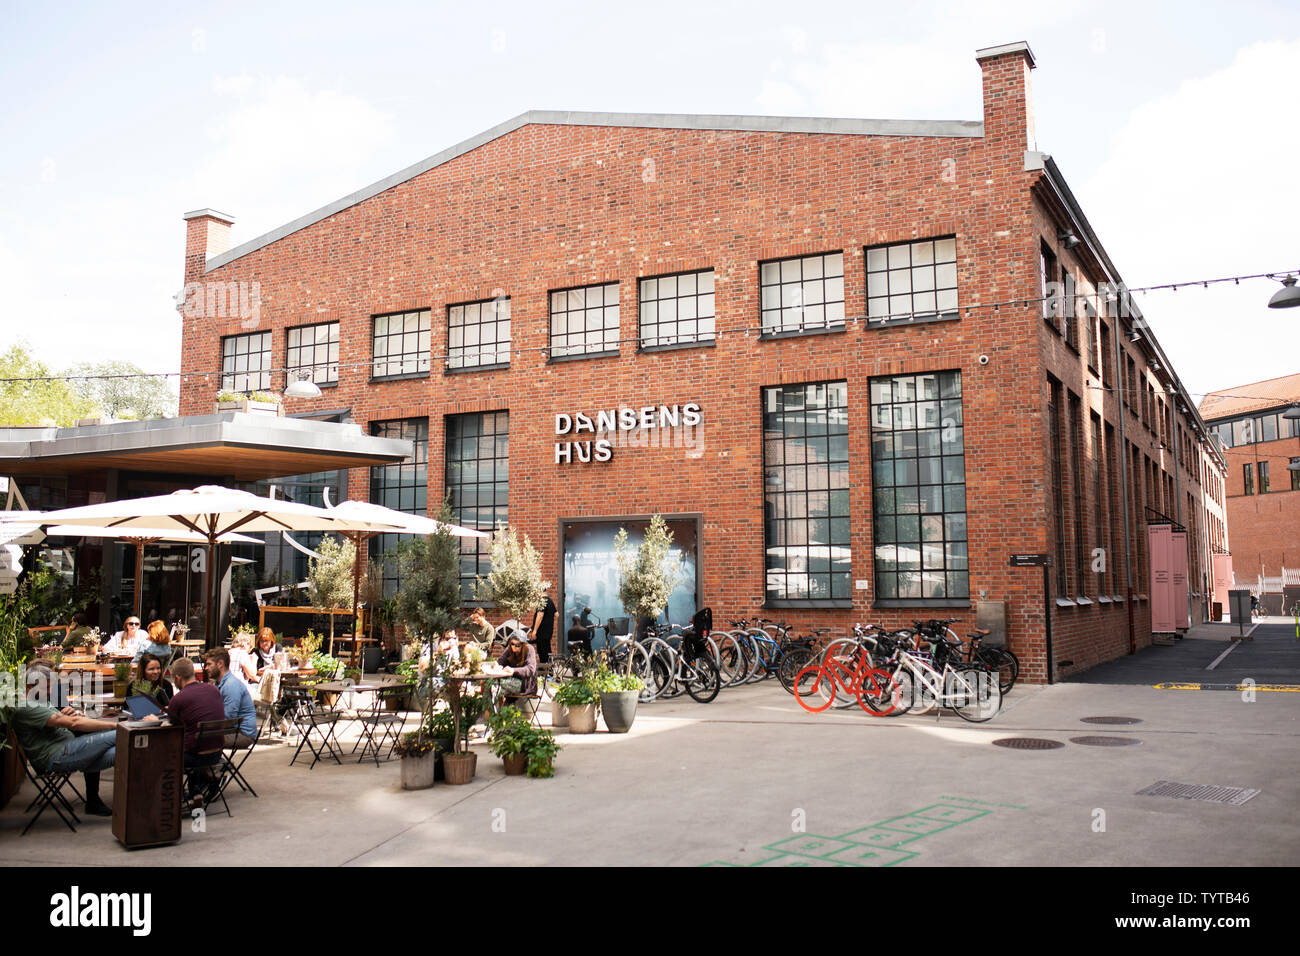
x: 1174, y: 124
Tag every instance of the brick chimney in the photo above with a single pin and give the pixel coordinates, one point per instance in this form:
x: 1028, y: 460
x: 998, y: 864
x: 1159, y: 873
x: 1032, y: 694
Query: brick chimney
x: 1008, y: 100
x: 207, y: 234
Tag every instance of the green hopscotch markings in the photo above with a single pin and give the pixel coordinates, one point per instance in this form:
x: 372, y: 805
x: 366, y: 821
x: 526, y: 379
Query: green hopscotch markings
x: 883, y: 843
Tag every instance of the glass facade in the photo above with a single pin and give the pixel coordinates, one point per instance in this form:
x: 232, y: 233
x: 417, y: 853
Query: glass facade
x: 919, y: 487
x: 402, y: 487
x: 806, y: 492
x: 477, y: 460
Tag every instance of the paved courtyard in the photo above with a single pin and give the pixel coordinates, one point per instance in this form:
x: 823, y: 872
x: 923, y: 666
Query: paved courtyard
x: 751, y: 779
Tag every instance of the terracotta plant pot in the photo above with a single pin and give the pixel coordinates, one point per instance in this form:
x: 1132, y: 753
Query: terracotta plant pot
x: 459, y: 768
x: 515, y: 764
x: 582, y: 719
x: 417, y: 772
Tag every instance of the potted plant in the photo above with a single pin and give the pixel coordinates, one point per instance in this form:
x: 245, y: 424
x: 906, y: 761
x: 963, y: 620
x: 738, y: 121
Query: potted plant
x: 510, y: 734
x: 541, y: 748
x: 264, y: 403
x: 418, y: 753
x: 515, y: 584
x: 646, y: 576
x: 121, y: 679
x: 618, y: 697
x: 329, y: 578
x: 582, y: 699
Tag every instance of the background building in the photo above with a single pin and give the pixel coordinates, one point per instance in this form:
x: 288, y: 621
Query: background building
x: 856, y: 363
x: 1259, y: 442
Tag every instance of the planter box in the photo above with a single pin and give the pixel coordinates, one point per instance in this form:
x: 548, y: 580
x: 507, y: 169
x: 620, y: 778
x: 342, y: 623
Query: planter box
x: 247, y: 405
x: 417, y: 772
x: 459, y: 768
x: 515, y: 764
x: 582, y: 719
x: 559, y: 715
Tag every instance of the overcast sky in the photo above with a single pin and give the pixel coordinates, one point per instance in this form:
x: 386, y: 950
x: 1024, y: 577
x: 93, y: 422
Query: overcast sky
x: 1175, y: 124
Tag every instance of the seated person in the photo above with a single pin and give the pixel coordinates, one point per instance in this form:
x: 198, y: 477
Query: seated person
x: 264, y: 655
x: 242, y: 664
x: 150, y: 682
x: 579, y: 638
x: 125, y: 641
x: 480, y: 629
x: 521, y: 658
x: 79, y: 633
x: 236, y: 699
x: 195, y: 703
x: 158, y: 642
x: 64, y: 739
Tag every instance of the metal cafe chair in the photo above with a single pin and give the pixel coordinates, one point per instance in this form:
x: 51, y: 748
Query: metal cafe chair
x: 234, y: 771
x: 211, y: 764
x: 381, y: 726
x: 49, y: 792
x: 316, y: 726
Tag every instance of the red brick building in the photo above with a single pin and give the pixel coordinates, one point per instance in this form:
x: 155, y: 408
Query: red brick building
x: 858, y: 362
x: 1259, y: 443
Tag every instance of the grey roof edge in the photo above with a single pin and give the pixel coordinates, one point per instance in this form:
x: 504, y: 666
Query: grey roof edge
x: 226, y: 428
x: 1019, y: 46
x: 762, y: 124
x: 197, y: 213
x: 1057, y: 182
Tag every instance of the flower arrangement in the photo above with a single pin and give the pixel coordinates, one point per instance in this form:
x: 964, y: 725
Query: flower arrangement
x: 414, y: 744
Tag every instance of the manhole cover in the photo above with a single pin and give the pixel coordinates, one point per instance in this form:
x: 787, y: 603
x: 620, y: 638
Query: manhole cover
x: 1105, y: 741
x: 1111, y: 720
x: 1207, y: 793
x: 1027, y: 743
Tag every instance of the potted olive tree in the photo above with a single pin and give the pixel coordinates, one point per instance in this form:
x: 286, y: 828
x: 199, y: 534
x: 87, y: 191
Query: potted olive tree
x: 428, y: 605
x: 515, y: 584
x: 329, y: 578
x: 646, y: 578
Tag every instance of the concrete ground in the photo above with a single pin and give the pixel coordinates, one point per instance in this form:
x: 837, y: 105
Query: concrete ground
x: 752, y: 779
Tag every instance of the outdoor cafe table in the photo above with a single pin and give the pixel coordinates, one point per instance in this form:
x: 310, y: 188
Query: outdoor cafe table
x: 489, y: 672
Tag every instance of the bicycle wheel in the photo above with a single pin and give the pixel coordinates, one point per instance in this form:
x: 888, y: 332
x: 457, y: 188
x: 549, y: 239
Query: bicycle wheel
x: 879, y: 695
x: 845, y: 651
x: 732, y: 663
x: 793, y: 660
x: 813, y: 688
x: 974, y: 693
x: 1004, y: 662
x: 642, y: 667
x: 701, y: 680
x: 562, y: 670
x: 906, y: 691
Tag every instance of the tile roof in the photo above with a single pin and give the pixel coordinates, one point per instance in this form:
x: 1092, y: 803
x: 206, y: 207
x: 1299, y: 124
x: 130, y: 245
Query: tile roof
x: 1248, y: 398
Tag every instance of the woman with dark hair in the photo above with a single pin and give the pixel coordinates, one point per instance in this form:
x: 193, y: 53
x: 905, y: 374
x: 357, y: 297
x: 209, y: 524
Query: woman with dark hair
x: 521, y: 659
x: 79, y: 633
x: 150, y: 682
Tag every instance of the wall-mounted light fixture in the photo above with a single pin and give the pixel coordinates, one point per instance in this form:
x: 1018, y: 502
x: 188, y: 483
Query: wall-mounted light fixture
x: 304, y: 387
x: 1068, y: 238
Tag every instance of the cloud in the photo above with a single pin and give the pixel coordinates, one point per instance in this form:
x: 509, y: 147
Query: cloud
x: 1196, y: 185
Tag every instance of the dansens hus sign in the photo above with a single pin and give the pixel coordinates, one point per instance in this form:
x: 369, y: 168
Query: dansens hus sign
x: 619, y: 426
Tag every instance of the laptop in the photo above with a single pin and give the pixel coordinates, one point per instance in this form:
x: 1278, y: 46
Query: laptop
x: 141, y: 707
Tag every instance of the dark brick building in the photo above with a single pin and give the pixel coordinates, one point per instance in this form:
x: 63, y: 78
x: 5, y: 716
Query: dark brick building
x: 858, y: 362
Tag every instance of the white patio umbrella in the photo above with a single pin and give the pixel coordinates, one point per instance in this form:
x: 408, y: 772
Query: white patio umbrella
x: 406, y: 524
x: 210, y: 511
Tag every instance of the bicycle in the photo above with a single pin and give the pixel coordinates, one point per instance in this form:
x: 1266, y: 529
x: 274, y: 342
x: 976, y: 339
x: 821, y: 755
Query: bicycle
x: 874, y: 689
x: 970, y: 690
x: 689, y: 668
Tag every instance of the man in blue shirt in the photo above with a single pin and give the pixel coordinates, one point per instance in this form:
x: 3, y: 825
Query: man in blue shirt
x: 235, y: 695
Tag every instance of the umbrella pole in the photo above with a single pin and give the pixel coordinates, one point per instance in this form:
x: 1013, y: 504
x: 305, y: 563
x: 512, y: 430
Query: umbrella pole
x: 139, y: 572
x: 356, y: 591
x: 212, y: 594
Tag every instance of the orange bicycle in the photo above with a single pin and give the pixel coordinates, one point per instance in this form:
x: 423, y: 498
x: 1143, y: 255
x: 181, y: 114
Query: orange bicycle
x: 876, y: 691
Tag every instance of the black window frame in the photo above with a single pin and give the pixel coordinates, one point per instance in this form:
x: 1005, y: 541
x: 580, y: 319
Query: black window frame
x: 495, y: 323
x: 475, y: 553
x: 291, y: 370
x: 604, y: 352
x: 422, y: 356
x: 911, y: 316
x: 228, y: 379
x: 677, y: 342
x: 801, y: 307
x: 411, y: 473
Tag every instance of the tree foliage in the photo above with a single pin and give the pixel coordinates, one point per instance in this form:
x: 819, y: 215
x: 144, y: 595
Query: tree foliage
x: 428, y: 597
x: 137, y: 397
x: 515, y: 583
x: 329, y: 576
x: 51, y: 402
x: 647, y: 575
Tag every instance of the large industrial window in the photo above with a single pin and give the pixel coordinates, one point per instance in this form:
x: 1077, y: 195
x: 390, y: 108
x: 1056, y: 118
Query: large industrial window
x: 246, y: 362
x: 677, y: 309
x: 478, y: 483
x: 478, y: 334
x: 1262, y: 467
x: 313, y: 349
x: 1074, y: 413
x: 912, y: 281
x: 401, y: 344
x: 1248, y: 477
x: 1046, y: 279
x: 402, y: 487
x: 1056, y: 451
x: 585, y: 321
x: 918, y: 469
x: 802, y: 294
x: 806, y: 492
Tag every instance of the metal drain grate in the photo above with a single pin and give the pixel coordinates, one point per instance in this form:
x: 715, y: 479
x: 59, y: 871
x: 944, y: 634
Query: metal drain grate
x: 1105, y: 741
x: 1208, y: 793
x: 1111, y: 720
x: 1027, y: 743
